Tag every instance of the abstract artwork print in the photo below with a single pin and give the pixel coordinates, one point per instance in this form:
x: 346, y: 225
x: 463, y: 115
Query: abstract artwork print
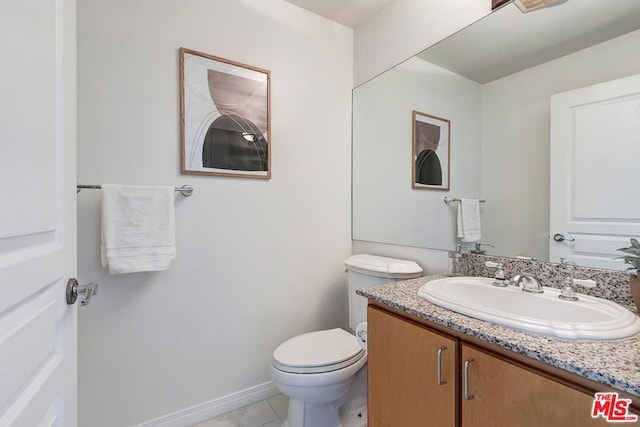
x: 430, y: 152
x: 225, y: 117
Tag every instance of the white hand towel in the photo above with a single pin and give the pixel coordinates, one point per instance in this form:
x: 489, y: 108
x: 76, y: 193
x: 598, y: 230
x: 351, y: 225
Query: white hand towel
x: 469, y: 220
x: 138, y: 228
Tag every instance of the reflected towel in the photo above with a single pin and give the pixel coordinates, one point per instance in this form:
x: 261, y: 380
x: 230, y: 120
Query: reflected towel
x: 469, y: 220
x: 138, y: 228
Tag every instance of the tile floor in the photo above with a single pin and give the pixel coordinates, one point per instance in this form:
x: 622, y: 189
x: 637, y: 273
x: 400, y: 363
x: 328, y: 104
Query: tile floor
x: 267, y: 413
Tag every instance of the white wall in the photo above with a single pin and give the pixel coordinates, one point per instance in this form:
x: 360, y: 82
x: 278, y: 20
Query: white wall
x: 403, y: 28
x: 258, y: 261
x: 515, y: 140
x: 385, y: 207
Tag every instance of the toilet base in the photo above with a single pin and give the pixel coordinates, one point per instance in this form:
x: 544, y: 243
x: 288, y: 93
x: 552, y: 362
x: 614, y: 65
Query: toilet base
x: 355, y: 419
x: 349, y: 411
x: 318, y: 417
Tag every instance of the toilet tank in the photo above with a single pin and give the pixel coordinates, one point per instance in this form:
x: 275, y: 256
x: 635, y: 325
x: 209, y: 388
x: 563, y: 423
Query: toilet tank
x: 365, y: 270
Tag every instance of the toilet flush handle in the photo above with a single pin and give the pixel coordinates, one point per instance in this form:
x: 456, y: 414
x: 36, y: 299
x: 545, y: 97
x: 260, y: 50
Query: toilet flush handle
x: 362, y: 334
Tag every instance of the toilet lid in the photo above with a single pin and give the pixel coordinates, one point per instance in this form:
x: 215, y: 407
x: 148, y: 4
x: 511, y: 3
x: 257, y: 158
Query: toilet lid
x: 320, y: 351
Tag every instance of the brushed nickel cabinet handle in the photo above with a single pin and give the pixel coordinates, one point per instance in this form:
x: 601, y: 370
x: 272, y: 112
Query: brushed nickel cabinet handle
x: 467, y: 396
x: 439, y: 380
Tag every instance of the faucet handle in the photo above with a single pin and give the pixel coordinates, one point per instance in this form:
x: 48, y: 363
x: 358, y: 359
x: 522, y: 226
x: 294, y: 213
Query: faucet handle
x: 568, y: 267
x: 460, y: 247
x: 458, y: 252
x: 567, y: 292
x: 499, y: 274
x: 567, y: 264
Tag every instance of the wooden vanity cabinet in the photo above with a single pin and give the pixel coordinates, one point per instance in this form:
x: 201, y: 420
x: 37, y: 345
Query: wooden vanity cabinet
x: 505, y: 394
x: 404, y: 391
x: 403, y: 373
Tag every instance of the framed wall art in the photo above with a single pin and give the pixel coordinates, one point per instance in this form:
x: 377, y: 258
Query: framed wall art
x: 430, y: 153
x: 225, y: 119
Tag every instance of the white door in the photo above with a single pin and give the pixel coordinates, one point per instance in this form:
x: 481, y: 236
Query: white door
x: 595, y: 172
x: 38, y: 373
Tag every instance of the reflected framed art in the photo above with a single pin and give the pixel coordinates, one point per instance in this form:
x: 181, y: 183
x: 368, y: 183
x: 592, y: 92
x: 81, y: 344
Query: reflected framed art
x: 430, y: 153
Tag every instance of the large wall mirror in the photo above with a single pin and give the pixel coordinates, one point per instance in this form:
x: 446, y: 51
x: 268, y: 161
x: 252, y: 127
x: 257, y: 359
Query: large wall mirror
x: 495, y: 82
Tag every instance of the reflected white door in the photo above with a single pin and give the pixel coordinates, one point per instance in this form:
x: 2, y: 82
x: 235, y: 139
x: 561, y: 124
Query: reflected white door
x: 595, y: 171
x: 38, y: 373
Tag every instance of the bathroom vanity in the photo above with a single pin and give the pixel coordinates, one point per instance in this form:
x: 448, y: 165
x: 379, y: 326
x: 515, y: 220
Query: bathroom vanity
x: 432, y: 366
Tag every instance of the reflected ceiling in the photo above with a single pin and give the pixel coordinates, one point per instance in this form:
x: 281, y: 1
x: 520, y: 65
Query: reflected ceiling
x: 521, y: 41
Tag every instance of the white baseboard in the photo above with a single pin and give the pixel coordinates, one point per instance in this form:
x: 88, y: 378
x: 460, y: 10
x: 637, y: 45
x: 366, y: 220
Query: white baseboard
x: 215, y: 407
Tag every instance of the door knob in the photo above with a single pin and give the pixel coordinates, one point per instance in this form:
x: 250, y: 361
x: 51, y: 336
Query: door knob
x: 85, y: 292
x: 561, y: 238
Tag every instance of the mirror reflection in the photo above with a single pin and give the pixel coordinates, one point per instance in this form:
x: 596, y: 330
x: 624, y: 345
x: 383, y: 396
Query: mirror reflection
x: 544, y: 113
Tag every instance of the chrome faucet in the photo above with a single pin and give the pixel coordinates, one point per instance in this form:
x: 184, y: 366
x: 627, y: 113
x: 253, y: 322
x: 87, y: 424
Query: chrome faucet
x: 529, y: 283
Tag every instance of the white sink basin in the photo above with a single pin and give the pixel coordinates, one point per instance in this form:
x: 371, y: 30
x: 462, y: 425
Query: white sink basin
x: 589, y: 318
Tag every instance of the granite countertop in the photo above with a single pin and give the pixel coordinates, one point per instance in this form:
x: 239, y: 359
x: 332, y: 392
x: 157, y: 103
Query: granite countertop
x: 614, y: 362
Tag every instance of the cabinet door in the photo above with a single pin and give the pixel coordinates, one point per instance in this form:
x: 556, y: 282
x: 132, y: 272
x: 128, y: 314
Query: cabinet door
x: 508, y: 395
x: 403, y: 374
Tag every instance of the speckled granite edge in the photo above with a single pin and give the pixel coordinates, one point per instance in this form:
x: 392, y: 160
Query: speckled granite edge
x: 615, y: 363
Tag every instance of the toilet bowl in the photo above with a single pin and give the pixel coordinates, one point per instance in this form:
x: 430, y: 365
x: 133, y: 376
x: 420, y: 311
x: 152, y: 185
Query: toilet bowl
x: 324, y: 373
x: 317, y: 371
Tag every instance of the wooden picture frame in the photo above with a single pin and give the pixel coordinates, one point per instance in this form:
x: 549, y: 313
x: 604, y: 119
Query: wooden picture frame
x: 225, y: 117
x: 497, y: 3
x: 431, y: 149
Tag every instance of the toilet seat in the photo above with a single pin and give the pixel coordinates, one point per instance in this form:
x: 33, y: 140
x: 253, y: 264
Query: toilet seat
x: 318, y: 369
x: 318, y: 352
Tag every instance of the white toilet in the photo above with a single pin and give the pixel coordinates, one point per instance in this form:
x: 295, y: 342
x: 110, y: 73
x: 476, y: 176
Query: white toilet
x: 324, y: 372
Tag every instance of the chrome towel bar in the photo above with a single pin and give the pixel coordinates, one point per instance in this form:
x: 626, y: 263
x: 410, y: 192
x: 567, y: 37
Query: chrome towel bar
x: 448, y: 200
x: 185, y: 190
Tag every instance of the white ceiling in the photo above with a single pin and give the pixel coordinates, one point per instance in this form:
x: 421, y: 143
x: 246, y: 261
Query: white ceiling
x: 351, y: 13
